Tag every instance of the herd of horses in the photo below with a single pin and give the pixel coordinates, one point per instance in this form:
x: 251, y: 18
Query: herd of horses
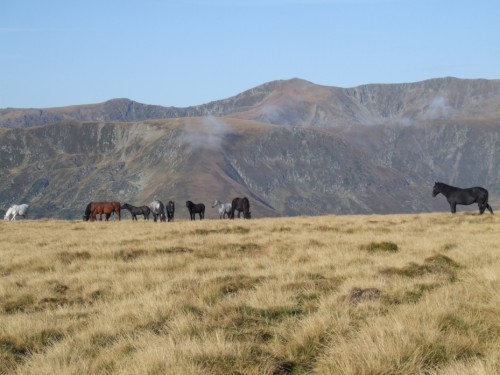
x: 166, y: 212
x: 454, y: 196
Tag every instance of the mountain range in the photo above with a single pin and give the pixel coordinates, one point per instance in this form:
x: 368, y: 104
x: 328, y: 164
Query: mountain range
x: 291, y: 146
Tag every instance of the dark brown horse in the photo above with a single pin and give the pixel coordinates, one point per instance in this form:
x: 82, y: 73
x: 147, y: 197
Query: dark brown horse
x: 98, y: 208
x: 240, y: 205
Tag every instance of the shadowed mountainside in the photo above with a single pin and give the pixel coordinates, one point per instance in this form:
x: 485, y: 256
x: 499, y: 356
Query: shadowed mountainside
x: 291, y: 146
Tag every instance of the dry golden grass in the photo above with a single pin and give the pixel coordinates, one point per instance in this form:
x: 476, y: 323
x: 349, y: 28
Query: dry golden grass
x: 395, y: 294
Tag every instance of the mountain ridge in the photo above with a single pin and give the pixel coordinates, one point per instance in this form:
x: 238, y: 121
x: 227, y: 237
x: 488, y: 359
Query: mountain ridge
x: 292, y: 147
x: 310, y: 104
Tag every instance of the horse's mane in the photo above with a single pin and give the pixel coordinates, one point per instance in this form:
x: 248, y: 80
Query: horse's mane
x: 444, y: 186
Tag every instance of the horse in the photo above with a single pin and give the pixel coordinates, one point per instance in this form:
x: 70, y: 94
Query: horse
x: 134, y: 211
x: 170, y: 210
x: 456, y: 195
x: 224, y: 208
x: 98, y: 208
x: 16, y: 210
x: 196, y: 208
x: 240, y: 205
x: 158, y: 210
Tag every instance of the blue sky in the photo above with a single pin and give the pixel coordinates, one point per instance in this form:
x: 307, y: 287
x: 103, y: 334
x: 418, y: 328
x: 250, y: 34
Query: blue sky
x: 181, y: 53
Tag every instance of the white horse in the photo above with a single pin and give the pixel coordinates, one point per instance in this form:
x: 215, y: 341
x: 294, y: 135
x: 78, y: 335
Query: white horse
x: 16, y: 210
x: 158, y: 210
x: 224, y: 208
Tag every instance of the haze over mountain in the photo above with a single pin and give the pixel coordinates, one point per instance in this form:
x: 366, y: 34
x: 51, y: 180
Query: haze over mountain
x: 291, y: 146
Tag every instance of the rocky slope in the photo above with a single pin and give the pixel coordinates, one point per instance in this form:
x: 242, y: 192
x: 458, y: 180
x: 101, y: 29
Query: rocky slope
x: 291, y: 146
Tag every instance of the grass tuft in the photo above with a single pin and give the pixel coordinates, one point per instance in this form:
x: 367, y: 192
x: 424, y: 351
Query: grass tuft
x: 174, y: 250
x: 383, y: 246
x: 437, y: 264
x: 130, y: 255
x: 67, y: 257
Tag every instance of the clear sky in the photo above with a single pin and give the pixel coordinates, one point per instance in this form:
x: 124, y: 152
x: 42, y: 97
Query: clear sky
x: 181, y: 53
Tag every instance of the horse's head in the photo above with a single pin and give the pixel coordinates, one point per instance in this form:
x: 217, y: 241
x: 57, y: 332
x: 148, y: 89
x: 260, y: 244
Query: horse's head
x: 215, y: 203
x: 85, y: 218
x: 189, y: 204
x: 436, y: 189
x: 248, y: 215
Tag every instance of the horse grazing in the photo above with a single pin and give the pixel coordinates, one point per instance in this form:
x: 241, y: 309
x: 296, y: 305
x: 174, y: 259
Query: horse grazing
x: 98, y: 208
x: 240, y: 205
x: 134, y: 211
x: 198, y: 208
x: 158, y: 210
x: 16, y: 210
x: 468, y: 196
x: 170, y: 210
x: 224, y: 208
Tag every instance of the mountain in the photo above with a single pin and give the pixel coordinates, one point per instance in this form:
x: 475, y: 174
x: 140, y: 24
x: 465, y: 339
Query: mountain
x: 299, y: 102
x: 292, y: 147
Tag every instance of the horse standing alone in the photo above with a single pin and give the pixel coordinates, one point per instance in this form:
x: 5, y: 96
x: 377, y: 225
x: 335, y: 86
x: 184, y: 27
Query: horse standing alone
x: 16, y: 210
x: 196, y: 208
x: 467, y: 196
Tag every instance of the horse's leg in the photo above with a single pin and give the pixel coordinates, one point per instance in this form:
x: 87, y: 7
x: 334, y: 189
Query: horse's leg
x: 489, y: 208
x: 482, y: 207
x: 453, y: 207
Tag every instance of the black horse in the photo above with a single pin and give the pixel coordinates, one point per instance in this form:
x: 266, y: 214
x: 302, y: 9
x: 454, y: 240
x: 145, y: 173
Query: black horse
x: 240, y: 205
x: 456, y: 196
x: 134, y: 211
x: 170, y: 210
x: 194, y: 209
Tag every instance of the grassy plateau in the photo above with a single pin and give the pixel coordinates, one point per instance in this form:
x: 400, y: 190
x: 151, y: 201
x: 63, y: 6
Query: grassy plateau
x: 367, y: 294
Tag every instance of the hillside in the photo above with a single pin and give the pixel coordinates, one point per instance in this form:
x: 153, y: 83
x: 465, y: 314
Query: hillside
x: 292, y: 147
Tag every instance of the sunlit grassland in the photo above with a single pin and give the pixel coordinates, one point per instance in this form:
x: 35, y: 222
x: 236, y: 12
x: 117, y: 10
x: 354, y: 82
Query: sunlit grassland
x: 392, y: 294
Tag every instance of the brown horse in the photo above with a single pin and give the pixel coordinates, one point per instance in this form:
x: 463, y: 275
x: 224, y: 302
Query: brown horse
x: 98, y: 208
